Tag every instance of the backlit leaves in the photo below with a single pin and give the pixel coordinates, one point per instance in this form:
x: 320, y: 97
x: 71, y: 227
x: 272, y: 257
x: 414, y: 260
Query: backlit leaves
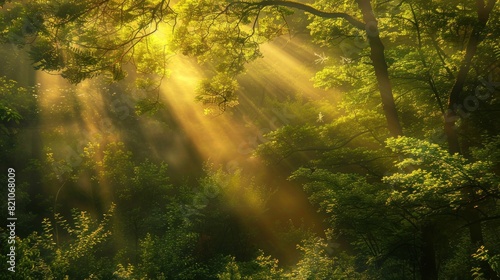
x: 432, y: 178
x: 219, y: 91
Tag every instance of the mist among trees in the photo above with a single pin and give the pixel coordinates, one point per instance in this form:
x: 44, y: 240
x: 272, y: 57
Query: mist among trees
x: 259, y: 139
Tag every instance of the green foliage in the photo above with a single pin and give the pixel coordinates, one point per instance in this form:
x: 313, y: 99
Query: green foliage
x: 169, y: 257
x: 347, y: 138
x: 148, y: 106
x: 9, y: 115
x: 18, y: 108
x: 377, y: 209
x: 482, y: 255
x: 261, y: 268
x: 116, y: 164
x: 220, y: 91
x: 76, y: 255
x: 217, y: 34
x: 432, y: 185
x: 291, y: 234
x: 315, y: 264
x: 30, y: 263
x: 356, y: 210
x: 172, y: 254
x: 434, y: 178
x: 456, y: 259
x: 138, y: 187
x: 47, y: 57
x: 25, y: 215
x: 231, y: 271
x: 16, y: 104
x: 489, y: 151
x: 79, y: 41
x: 123, y: 272
x: 222, y: 210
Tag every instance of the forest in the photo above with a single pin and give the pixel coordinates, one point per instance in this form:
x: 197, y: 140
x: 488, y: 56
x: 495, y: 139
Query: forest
x: 250, y: 139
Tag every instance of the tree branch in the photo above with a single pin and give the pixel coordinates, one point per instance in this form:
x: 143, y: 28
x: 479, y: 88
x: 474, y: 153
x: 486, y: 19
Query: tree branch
x: 309, y: 9
x: 483, y: 13
x: 318, y: 149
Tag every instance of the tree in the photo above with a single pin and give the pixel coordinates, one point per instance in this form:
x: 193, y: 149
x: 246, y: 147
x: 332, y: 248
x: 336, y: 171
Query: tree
x: 38, y: 255
x: 85, y: 39
x: 417, y: 55
x: 65, y: 38
x: 483, y: 10
x: 17, y: 108
x: 436, y: 188
x: 204, y: 20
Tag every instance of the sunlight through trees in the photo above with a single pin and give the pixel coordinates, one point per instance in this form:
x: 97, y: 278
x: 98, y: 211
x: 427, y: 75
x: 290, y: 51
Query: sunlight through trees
x: 259, y: 139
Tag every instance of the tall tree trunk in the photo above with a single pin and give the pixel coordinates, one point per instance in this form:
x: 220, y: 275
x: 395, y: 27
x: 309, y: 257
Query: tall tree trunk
x: 454, y: 104
x: 428, y: 254
x: 451, y: 116
x: 428, y: 269
x: 380, y: 65
x: 376, y: 46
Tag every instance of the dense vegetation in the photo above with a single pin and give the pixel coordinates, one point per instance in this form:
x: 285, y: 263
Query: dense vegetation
x: 400, y: 157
